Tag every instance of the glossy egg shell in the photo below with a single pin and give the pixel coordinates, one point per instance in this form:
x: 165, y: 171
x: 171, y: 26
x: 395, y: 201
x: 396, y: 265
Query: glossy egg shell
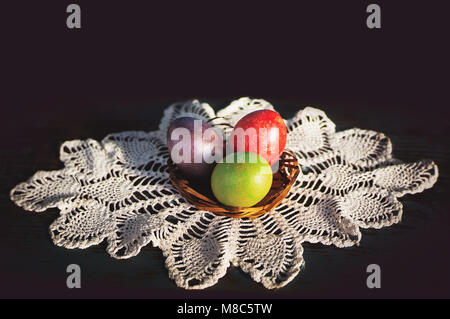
x: 197, y: 146
x: 269, y: 143
x: 240, y: 182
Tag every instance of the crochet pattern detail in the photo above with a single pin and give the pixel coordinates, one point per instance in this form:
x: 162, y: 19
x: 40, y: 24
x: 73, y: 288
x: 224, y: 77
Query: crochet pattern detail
x: 119, y: 190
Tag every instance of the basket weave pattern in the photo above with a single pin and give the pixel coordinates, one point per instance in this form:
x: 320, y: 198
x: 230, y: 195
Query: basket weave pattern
x: 283, y: 180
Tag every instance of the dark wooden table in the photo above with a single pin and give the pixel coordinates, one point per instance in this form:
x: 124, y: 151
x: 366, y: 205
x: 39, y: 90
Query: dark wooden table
x: 130, y: 60
x: 413, y: 255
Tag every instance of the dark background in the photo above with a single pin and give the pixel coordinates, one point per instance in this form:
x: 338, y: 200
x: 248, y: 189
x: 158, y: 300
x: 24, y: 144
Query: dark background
x: 133, y: 58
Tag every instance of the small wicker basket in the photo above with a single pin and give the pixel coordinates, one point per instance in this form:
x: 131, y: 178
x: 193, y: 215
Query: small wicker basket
x: 203, y: 199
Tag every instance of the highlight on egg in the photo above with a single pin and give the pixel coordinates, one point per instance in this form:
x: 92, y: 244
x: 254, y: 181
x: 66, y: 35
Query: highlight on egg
x: 242, y: 180
x: 262, y: 132
x: 194, y: 146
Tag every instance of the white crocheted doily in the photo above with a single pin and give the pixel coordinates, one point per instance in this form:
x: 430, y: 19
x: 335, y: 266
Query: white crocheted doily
x: 119, y: 190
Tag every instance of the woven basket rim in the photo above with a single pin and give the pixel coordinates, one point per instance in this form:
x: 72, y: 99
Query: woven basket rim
x: 283, y: 180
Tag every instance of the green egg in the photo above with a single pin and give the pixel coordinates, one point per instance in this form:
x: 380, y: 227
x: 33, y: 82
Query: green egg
x: 242, y: 180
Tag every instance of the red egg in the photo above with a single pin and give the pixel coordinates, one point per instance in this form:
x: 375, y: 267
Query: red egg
x: 262, y: 132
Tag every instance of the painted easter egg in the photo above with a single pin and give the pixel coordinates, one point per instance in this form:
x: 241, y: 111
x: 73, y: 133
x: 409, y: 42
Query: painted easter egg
x: 194, y: 146
x: 241, y: 180
x: 262, y: 132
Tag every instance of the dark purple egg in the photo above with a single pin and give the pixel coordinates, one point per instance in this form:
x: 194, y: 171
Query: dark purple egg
x: 194, y: 146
